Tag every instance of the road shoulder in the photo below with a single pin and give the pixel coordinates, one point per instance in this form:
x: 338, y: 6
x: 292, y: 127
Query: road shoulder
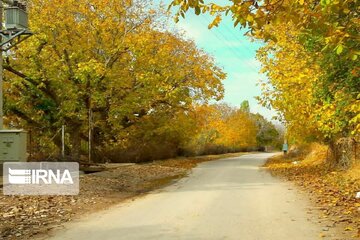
x: 32, y: 216
x: 330, y: 195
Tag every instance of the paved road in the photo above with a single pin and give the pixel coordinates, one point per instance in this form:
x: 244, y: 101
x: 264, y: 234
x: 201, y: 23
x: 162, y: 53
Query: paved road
x: 226, y: 199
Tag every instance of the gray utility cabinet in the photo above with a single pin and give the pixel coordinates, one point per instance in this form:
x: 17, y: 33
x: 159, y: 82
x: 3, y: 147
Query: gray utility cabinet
x: 13, y: 146
x: 16, y: 18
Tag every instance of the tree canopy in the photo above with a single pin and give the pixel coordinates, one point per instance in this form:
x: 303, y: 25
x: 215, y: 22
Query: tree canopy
x: 110, y: 61
x: 310, y: 58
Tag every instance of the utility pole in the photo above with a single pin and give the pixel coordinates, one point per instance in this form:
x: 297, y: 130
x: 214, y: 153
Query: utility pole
x: 1, y: 70
x: 8, y: 40
x: 90, y: 134
x: 15, y: 31
x: 63, y: 141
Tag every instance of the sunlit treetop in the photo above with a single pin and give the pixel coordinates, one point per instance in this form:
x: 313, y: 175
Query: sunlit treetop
x: 335, y: 22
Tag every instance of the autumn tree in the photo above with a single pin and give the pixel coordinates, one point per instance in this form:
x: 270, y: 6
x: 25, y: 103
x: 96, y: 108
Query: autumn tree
x: 109, y: 61
x: 310, y: 58
x: 221, y: 128
x: 289, y: 88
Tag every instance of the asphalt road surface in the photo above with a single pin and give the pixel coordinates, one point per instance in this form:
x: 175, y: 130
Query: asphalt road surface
x: 226, y: 199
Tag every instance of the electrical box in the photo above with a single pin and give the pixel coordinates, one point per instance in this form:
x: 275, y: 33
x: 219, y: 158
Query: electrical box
x: 13, y: 146
x: 16, y: 18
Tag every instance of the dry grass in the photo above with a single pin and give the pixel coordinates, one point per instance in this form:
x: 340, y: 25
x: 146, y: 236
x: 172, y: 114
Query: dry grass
x: 353, y: 173
x: 334, y: 191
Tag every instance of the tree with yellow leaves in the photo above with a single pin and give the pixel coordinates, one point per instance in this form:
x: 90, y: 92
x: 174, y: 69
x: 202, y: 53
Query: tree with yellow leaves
x: 291, y: 75
x: 107, y: 61
x: 310, y: 57
x: 221, y: 128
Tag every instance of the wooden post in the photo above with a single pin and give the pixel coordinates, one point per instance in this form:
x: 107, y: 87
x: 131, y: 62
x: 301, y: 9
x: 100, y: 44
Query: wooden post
x: 90, y: 135
x: 63, y: 141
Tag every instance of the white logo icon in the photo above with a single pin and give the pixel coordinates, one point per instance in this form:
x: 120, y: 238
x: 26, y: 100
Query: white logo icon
x: 19, y: 176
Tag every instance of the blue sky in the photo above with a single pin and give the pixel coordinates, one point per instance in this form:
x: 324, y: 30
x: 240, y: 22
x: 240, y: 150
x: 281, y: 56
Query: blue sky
x: 232, y: 51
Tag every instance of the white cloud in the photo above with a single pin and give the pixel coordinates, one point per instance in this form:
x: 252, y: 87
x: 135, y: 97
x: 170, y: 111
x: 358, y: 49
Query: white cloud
x: 194, y: 30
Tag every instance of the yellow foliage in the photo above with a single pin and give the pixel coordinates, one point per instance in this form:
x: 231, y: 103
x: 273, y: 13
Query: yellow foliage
x: 224, y: 126
x: 291, y: 75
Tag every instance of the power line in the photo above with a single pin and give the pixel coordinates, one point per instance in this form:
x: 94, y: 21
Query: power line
x: 234, y: 35
x: 237, y: 52
x: 220, y: 36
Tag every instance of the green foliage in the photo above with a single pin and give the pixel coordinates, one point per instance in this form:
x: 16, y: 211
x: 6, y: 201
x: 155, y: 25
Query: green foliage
x: 267, y: 133
x: 245, y: 106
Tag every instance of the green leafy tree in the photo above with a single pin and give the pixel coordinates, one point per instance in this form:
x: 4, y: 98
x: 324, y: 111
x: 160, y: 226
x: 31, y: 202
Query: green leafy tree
x: 267, y: 133
x: 245, y: 106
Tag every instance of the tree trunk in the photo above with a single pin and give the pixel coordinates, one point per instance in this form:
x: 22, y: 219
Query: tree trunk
x: 75, y: 136
x: 342, y: 153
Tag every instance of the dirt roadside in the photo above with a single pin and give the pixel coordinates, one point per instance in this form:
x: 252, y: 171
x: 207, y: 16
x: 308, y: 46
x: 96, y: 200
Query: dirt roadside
x: 25, y: 217
x: 333, y: 192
